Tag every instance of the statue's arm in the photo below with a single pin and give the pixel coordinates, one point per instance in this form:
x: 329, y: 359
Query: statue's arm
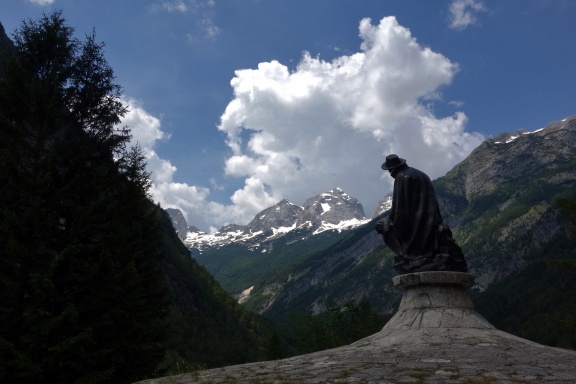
x: 383, y: 225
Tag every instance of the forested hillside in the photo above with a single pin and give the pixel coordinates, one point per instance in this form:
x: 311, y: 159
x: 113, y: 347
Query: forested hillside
x: 95, y: 286
x: 502, y: 205
x: 538, y: 302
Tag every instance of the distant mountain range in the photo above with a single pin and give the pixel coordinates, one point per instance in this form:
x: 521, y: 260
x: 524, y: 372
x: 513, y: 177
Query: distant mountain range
x: 500, y: 203
x: 330, y: 211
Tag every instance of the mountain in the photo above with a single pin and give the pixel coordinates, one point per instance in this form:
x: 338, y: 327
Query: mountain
x: 179, y: 223
x: 240, y: 255
x: 499, y: 201
x: 382, y: 206
x: 208, y: 326
x: 501, y: 205
x: 330, y: 211
x: 7, y: 48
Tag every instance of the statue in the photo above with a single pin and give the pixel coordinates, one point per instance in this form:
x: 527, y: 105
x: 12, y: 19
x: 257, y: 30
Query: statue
x: 414, y: 230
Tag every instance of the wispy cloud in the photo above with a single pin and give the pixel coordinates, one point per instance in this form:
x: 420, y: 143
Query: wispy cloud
x: 211, y: 30
x: 201, y: 10
x: 170, y: 6
x: 42, y: 2
x: 463, y: 13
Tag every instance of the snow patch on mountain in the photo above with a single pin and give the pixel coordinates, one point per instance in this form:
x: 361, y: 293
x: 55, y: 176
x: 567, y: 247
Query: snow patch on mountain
x: 383, y: 205
x: 508, y: 137
x: 341, y: 226
x: 330, y: 211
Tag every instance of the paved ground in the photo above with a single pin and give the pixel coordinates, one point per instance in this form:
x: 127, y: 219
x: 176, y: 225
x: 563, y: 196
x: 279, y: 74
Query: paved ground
x: 435, y: 337
x: 451, y: 356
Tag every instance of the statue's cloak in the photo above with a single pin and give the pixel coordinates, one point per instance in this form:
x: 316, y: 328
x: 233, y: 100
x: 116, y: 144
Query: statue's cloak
x: 415, y: 230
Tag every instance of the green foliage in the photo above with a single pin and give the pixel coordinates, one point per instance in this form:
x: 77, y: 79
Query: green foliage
x: 95, y: 285
x: 337, y: 277
x: 82, y: 293
x: 568, y: 208
x: 236, y: 268
x: 335, y: 327
x: 70, y: 76
x: 538, y: 302
x: 208, y: 327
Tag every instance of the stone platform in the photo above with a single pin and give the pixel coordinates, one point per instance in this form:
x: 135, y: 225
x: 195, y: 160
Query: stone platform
x: 436, y: 336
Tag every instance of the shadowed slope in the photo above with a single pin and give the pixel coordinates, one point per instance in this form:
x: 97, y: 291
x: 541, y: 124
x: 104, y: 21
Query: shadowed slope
x: 435, y: 337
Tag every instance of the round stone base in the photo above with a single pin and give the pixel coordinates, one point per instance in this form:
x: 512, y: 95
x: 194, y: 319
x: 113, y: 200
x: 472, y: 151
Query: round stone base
x: 434, y: 277
x: 436, y: 300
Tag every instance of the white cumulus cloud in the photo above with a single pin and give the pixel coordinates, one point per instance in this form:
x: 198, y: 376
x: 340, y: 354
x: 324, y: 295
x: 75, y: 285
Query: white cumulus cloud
x: 146, y: 131
x: 296, y: 133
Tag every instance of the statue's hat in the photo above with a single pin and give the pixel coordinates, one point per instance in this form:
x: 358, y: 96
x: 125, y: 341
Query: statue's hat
x: 393, y: 161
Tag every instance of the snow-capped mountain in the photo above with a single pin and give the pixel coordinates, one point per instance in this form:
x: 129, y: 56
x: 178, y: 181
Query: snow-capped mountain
x: 383, y: 205
x: 333, y: 210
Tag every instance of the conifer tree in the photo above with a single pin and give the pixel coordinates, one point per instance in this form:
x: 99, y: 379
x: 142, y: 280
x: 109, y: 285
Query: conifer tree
x: 82, y: 295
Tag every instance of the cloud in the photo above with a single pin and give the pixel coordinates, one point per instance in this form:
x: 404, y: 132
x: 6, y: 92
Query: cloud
x: 327, y: 124
x: 146, y: 131
x: 211, y: 30
x: 294, y: 134
x: 42, y: 2
x: 202, y: 11
x: 145, y: 128
x: 170, y: 6
x: 462, y: 13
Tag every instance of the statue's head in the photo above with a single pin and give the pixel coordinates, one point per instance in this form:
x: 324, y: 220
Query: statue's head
x: 392, y: 161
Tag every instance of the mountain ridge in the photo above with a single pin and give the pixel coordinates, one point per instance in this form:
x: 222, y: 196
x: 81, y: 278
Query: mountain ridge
x: 334, y: 210
x: 500, y: 205
x: 285, y: 216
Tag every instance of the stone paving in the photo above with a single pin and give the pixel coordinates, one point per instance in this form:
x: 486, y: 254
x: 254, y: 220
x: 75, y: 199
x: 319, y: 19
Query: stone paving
x: 436, y: 336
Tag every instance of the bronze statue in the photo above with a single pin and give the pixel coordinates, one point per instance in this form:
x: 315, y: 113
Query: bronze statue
x: 414, y: 230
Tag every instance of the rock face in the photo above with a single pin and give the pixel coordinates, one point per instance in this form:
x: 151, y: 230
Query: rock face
x: 178, y: 221
x: 332, y: 210
x: 499, y: 203
x: 500, y: 199
x: 435, y: 337
x: 332, y: 207
x: 382, y: 206
x: 6, y: 47
x: 517, y: 156
x: 281, y: 215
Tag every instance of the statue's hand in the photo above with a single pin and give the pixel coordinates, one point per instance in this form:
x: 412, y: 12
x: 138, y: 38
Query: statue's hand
x: 379, y: 227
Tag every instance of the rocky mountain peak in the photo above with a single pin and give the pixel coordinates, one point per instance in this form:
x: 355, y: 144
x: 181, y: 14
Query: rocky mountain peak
x: 511, y: 156
x: 281, y: 215
x: 332, y: 210
x: 179, y: 223
x: 332, y: 207
x: 232, y: 228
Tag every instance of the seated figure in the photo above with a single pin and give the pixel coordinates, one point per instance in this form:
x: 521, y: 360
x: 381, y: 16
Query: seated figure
x: 414, y: 230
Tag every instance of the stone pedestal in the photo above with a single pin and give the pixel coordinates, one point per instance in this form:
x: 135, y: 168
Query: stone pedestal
x: 435, y: 300
x: 435, y: 337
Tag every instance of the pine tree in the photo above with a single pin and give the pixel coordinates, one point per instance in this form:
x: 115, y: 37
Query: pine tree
x: 82, y: 295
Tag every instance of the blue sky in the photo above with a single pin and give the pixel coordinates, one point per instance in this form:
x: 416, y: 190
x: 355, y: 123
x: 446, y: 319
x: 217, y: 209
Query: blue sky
x: 240, y: 103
